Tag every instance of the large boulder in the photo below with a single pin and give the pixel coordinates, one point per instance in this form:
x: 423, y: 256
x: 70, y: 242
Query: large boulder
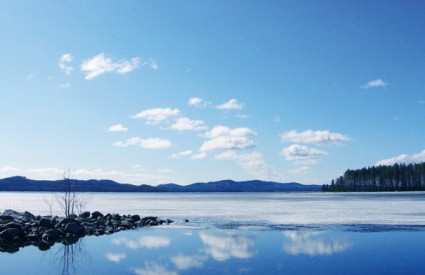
x: 45, y: 222
x: 96, y: 214
x: 22, y: 216
x: 85, y: 215
x: 74, y: 228
x: 11, y: 233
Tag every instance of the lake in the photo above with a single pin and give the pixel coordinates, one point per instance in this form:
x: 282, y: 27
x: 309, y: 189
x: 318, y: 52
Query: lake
x: 238, y: 233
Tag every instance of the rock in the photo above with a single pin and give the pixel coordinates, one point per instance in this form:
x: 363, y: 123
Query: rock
x: 96, y: 214
x: 185, y: 220
x: 65, y: 221
x: 135, y: 218
x: 6, y: 218
x: 116, y: 217
x: 43, y: 246
x: 50, y: 235
x: 14, y: 225
x: 99, y: 232
x: 26, y: 216
x: 149, y: 221
x: 74, y: 228
x: 168, y: 221
x: 11, y: 233
x: 85, y: 215
x: 45, y: 222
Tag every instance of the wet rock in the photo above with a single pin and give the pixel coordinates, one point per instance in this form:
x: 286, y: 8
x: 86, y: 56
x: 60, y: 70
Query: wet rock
x: 13, y: 225
x: 22, y: 229
x: 65, y: 221
x: 11, y: 233
x: 96, y: 214
x: 74, y: 228
x: 50, y: 236
x: 45, y: 222
x: 85, y: 215
x: 43, y: 246
x: 135, y: 218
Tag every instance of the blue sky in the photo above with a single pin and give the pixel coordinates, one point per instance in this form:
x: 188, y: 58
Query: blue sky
x: 188, y: 91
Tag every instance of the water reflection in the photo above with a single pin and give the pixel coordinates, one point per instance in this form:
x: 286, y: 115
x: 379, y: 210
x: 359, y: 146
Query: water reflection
x: 71, y: 256
x: 186, y: 262
x: 222, y: 247
x: 146, y: 242
x: 152, y: 268
x: 115, y: 257
x: 312, y: 243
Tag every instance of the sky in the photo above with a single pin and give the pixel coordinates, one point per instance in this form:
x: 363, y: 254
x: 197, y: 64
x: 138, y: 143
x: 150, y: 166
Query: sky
x: 152, y: 92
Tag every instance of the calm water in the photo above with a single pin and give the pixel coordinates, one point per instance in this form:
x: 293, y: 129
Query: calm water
x: 239, y: 234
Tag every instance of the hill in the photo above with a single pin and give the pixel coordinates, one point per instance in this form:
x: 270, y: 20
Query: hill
x: 23, y: 184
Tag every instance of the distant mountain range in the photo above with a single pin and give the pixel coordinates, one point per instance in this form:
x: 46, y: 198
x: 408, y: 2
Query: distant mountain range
x: 24, y: 184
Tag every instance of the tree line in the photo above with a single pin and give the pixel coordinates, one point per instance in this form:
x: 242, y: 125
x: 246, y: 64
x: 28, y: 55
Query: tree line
x: 397, y: 177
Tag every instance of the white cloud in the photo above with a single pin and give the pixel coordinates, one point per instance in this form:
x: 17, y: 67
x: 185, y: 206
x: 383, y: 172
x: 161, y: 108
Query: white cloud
x: 181, y: 154
x: 374, y: 84
x: 254, y: 164
x: 149, y: 143
x: 302, y: 154
x: 404, y: 158
x: 115, y: 257
x: 49, y: 173
x: 64, y: 61
x: 8, y: 169
x: 224, y: 247
x: 186, y: 124
x: 151, y: 63
x: 195, y: 101
x: 117, y: 128
x: 232, y: 104
x: 227, y: 143
x: 224, y: 138
x: 186, y: 262
x: 199, y: 156
x: 96, y: 174
x: 314, y: 137
x: 101, y: 64
x: 157, y: 115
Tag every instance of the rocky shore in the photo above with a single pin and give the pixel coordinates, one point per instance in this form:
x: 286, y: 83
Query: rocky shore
x: 20, y: 229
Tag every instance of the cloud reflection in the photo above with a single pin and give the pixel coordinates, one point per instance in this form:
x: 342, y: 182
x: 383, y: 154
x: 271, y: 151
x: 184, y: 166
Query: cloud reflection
x: 186, y: 262
x: 152, y: 268
x: 115, y: 257
x: 223, y: 247
x: 150, y: 242
x: 308, y: 243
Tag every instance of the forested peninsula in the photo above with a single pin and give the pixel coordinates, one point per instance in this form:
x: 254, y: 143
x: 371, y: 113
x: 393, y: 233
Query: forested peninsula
x: 398, y: 177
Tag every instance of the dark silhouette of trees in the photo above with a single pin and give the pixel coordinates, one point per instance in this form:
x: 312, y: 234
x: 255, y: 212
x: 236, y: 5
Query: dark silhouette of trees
x: 398, y: 177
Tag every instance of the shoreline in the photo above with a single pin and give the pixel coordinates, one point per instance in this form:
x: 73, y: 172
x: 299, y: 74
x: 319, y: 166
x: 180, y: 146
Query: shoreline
x: 21, y: 229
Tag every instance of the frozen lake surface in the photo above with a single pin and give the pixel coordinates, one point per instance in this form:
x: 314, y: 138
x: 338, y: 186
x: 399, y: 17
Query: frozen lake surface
x: 407, y: 208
